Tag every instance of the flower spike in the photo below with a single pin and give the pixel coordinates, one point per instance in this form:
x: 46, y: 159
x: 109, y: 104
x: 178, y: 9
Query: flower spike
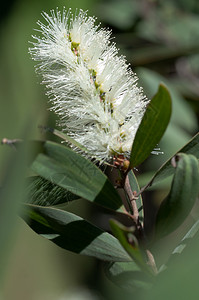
x: 92, y: 89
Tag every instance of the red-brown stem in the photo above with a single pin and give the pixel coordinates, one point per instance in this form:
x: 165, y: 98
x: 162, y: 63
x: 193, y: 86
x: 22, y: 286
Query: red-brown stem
x: 132, y: 198
x: 151, y: 261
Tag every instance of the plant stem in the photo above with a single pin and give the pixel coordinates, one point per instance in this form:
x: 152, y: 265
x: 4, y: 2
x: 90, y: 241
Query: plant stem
x: 134, y: 213
x: 151, y: 261
x: 132, y: 198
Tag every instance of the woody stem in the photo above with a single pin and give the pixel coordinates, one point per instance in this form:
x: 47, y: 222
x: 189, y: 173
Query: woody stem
x: 131, y: 197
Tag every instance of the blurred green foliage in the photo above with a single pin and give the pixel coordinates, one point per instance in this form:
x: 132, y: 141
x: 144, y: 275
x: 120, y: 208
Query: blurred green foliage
x: 161, y: 41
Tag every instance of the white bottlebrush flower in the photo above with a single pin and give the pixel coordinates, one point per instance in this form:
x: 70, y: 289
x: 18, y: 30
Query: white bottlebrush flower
x: 91, y: 87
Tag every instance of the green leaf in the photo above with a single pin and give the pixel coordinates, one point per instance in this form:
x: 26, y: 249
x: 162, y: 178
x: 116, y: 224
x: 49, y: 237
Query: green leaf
x: 182, y: 245
x: 180, y: 279
x: 135, y: 187
x: 40, y: 191
x: 73, y: 233
x: 152, y: 127
x: 183, y: 116
x: 69, y: 170
x: 189, y: 235
x: 184, y: 191
x: 127, y: 275
x: 129, y: 242
x: 192, y: 147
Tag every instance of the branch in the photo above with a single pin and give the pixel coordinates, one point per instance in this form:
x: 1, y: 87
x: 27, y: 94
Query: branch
x: 132, y: 197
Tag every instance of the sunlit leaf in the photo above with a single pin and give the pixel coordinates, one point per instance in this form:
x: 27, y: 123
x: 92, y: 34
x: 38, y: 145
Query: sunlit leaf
x: 73, y: 233
x: 67, y: 169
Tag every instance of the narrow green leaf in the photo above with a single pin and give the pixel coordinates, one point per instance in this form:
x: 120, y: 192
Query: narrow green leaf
x: 40, y: 191
x: 135, y: 187
x: 129, y: 242
x: 183, y: 116
x: 69, y: 170
x: 152, y: 127
x: 127, y: 275
x: 182, y: 245
x: 192, y: 147
x: 180, y: 279
x: 184, y: 191
x: 189, y: 235
x: 73, y: 233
